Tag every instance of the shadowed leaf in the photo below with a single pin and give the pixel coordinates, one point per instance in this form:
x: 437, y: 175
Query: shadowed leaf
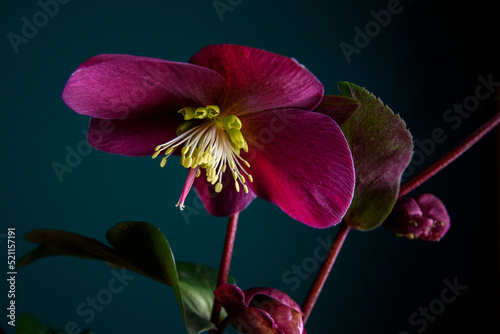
x: 142, y: 248
x: 382, y: 147
x: 28, y: 324
x: 339, y: 108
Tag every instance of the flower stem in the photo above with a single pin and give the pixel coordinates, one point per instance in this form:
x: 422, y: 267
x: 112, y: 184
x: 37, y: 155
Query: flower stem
x: 450, y: 156
x: 324, y: 271
x: 225, y: 262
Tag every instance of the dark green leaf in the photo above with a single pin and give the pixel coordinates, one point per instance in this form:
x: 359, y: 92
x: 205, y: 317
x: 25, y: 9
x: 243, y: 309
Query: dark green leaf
x: 27, y: 324
x: 382, y: 147
x: 198, y: 283
x: 142, y: 248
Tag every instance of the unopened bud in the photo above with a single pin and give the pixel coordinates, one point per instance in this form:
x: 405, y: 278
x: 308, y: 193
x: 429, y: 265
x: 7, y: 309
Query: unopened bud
x: 423, y: 218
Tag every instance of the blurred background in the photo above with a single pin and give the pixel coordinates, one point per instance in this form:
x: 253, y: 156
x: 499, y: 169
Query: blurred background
x: 429, y: 57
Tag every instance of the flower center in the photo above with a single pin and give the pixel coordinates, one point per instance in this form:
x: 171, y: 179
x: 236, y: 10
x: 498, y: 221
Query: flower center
x: 209, y: 142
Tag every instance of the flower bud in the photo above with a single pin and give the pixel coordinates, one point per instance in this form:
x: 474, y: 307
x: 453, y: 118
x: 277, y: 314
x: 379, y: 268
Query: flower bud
x: 260, y: 310
x: 423, y: 218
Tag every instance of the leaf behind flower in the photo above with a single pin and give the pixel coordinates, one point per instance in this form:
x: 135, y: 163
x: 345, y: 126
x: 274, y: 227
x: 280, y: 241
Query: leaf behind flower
x: 382, y: 148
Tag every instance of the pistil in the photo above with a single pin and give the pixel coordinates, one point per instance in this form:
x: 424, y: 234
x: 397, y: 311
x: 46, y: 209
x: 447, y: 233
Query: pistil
x: 209, y: 142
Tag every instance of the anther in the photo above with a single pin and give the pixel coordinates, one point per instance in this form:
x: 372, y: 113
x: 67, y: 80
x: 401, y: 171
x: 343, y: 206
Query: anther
x: 155, y: 154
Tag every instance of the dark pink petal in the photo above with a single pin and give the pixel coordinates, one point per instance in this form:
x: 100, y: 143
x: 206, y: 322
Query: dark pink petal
x: 276, y: 294
x: 132, y: 137
x: 231, y: 296
x: 228, y: 201
x: 259, y: 80
x: 260, y: 310
x: 244, y: 319
x: 434, y: 208
x: 120, y: 86
x: 424, y: 218
x: 301, y: 162
x: 339, y: 108
x: 407, y: 218
x: 285, y: 312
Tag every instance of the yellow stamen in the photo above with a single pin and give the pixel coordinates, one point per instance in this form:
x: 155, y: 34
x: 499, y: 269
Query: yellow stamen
x: 211, y: 142
x: 213, y: 111
x: 155, y: 154
x: 187, y: 112
x: 200, y: 113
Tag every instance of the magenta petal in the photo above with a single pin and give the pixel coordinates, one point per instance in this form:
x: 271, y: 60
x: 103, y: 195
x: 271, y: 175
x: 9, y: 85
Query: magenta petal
x: 301, y: 162
x: 244, y: 319
x: 132, y: 137
x: 259, y: 80
x: 119, y: 86
x: 285, y: 312
x: 228, y: 201
x: 260, y: 310
x: 276, y: 294
x: 231, y: 296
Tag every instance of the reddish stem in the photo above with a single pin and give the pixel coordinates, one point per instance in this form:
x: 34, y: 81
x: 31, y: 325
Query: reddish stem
x: 450, y: 156
x: 324, y: 271
x: 225, y: 263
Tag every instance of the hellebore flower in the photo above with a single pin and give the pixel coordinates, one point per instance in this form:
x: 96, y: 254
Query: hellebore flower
x: 260, y: 310
x: 243, y: 115
x: 424, y: 218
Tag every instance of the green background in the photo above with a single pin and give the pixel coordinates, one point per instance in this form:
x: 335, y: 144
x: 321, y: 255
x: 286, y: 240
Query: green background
x: 426, y: 59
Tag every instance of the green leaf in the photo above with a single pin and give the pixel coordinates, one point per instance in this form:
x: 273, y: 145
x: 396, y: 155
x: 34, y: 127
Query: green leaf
x: 27, y: 324
x: 145, y: 247
x: 198, y: 283
x: 142, y: 248
x: 381, y: 147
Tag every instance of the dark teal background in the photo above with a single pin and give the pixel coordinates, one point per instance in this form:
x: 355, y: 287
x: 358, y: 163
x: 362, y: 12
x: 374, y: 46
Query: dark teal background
x: 428, y: 58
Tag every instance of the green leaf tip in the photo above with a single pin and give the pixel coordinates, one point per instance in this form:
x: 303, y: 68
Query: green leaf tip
x: 343, y: 87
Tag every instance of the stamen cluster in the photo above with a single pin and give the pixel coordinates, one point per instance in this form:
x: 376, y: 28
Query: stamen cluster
x: 210, y: 142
